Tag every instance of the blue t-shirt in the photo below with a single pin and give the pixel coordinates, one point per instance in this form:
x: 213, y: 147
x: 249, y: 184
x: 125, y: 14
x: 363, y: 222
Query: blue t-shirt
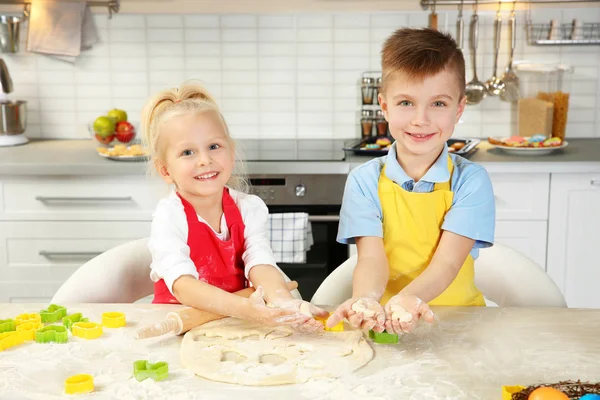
x: 473, y: 210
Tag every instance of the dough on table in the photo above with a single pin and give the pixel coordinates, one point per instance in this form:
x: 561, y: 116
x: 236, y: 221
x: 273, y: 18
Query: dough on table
x: 360, y: 306
x: 236, y: 351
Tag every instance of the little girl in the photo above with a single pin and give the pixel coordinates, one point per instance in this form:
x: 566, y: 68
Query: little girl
x: 208, y: 237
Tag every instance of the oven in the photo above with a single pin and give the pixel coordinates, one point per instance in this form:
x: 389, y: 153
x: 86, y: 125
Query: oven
x: 320, y: 196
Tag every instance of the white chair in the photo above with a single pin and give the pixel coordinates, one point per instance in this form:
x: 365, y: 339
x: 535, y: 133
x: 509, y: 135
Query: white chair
x: 504, y: 276
x: 119, y: 275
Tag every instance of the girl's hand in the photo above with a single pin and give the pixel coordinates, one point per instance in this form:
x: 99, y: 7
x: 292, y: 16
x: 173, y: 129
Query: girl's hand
x: 402, y: 313
x: 306, y: 309
x: 362, y: 313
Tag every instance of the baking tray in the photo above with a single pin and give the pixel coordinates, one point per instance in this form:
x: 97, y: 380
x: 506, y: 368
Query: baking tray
x: 358, y: 147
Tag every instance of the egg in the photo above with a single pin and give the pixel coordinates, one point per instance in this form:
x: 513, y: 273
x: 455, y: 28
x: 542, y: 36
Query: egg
x: 547, y: 393
x: 590, y: 397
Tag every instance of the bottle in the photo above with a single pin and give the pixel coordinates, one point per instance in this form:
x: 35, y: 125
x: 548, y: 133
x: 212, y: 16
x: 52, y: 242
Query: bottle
x: 366, y: 123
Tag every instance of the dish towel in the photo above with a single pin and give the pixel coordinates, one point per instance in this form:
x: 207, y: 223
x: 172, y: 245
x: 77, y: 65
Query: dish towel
x: 61, y: 28
x: 291, y: 236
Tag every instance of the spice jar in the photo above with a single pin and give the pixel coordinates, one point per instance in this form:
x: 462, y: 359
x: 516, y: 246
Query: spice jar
x: 367, y: 90
x: 381, y: 123
x: 366, y: 123
x: 378, y: 87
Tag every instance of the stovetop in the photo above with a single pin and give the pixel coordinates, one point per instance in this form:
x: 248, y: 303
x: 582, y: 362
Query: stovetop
x: 292, y: 149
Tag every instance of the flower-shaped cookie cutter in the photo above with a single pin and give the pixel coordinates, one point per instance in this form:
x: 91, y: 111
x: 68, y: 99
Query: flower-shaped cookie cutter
x: 52, y: 333
x: 338, y: 328
x: 86, y: 330
x: 113, y: 319
x: 10, y: 339
x: 7, y: 325
x: 28, y: 317
x: 53, y: 313
x: 69, y: 320
x: 383, y: 337
x: 142, y: 369
x: 82, y: 383
x: 28, y: 330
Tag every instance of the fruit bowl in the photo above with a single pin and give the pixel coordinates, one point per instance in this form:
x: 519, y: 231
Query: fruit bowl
x: 125, y: 132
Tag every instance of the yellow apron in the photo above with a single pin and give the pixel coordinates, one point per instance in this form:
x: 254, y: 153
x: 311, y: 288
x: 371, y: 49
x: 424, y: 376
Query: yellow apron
x: 412, y: 225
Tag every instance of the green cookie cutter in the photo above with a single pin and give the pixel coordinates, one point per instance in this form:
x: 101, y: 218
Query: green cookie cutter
x: 7, y: 325
x: 52, y: 333
x: 53, y: 313
x: 69, y: 320
x: 142, y: 369
x: 383, y: 337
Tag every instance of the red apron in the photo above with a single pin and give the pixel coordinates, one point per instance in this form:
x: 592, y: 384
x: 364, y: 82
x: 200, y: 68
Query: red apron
x: 219, y: 263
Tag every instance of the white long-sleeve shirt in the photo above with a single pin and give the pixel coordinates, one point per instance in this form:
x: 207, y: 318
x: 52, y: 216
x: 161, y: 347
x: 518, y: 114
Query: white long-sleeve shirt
x: 169, y: 235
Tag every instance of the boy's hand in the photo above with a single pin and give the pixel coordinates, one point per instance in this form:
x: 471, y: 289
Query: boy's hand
x: 362, y: 313
x: 402, y: 313
x: 294, y: 312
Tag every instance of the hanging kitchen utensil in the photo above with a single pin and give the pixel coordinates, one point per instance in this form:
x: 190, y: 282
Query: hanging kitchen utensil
x: 9, y: 33
x: 433, y: 18
x: 494, y: 85
x: 475, y: 90
x: 510, y: 77
x: 460, y: 26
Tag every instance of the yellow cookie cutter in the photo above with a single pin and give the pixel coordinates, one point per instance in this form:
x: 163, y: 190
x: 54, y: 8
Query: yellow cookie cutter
x: 31, y: 317
x: 113, y: 319
x: 86, y: 330
x: 28, y: 329
x: 337, y: 328
x: 82, y: 383
x: 508, y: 391
x: 10, y: 339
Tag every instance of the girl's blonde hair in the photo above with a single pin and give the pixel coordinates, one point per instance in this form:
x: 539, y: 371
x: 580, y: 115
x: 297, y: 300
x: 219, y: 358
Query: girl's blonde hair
x: 191, y: 97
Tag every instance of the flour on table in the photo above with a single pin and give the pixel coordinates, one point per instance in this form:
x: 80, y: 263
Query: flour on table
x: 241, y: 352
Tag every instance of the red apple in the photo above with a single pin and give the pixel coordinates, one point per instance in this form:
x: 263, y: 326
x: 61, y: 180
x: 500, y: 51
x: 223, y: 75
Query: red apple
x: 125, y: 132
x: 105, y: 139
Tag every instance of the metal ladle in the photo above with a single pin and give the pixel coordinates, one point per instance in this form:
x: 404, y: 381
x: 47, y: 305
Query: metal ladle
x: 475, y: 90
x: 510, y: 78
x: 495, y: 85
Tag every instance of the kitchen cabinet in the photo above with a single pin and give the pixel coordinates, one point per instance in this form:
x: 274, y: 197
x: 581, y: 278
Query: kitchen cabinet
x: 573, y: 237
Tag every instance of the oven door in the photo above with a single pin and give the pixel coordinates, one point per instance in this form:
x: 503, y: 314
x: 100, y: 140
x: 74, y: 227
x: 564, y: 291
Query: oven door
x: 325, y: 255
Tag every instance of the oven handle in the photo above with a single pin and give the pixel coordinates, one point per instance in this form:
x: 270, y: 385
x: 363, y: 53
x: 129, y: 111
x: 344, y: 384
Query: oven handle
x: 324, y: 218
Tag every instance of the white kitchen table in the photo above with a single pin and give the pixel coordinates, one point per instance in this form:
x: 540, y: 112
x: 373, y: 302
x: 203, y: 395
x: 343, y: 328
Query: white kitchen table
x: 469, y: 353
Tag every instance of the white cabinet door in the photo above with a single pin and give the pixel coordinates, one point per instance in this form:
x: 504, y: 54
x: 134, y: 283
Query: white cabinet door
x: 521, y: 196
x: 527, y: 237
x: 574, y: 238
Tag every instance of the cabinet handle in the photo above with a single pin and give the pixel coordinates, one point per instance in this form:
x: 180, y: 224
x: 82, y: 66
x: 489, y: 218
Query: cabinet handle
x: 48, y: 199
x: 323, y: 218
x: 86, y: 254
x: 595, y: 182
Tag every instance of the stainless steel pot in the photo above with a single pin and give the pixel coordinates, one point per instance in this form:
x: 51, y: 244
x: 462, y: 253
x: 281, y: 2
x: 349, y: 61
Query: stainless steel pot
x: 13, y: 117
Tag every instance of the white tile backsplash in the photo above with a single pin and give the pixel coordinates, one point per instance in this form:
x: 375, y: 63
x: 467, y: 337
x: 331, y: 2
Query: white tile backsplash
x: 277, y: 75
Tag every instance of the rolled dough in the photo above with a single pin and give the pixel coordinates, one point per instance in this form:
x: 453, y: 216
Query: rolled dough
x: 236, y: 351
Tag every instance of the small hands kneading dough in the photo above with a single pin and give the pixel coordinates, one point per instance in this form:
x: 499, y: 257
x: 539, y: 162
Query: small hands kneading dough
x: 361, y: 306
x: 400, y: 314
x: 245, y: 353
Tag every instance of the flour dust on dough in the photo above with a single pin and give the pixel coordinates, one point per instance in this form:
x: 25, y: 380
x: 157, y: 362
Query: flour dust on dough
x: 241, y: 352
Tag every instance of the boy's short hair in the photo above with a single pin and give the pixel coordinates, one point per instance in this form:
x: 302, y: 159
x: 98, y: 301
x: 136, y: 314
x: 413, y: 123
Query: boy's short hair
x: 420, y: 53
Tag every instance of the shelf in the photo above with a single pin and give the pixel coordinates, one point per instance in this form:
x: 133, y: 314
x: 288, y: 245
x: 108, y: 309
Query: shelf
x: 425, y: 4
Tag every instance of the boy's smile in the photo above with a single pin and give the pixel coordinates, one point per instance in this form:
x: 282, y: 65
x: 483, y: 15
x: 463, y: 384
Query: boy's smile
x: 422, y: 113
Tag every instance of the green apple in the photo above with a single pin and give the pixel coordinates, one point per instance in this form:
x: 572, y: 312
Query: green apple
x: 104, y: 126
x: 117, y: 115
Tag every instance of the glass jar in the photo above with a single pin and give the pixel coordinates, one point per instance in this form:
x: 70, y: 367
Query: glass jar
x: 543, y: 98
x: 366, y: 124
x: 381, y: 123
x: 367, y: 90
x: 378, y: 87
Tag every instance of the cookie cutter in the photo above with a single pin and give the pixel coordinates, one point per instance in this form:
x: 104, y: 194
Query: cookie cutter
x: 383, y: 337
x: 52, y: 333
x: 10, y: 339
x: 28, y: 329
x: 53, y: 313
x: 113, y: 319
x: 69, y: 320
x: 142, y: 369
x: 28, y: 317
x: 7, y: 325
x: 508, y: 391
x: 82, y: 383
x: 337, y: 328
x: 86, y: 330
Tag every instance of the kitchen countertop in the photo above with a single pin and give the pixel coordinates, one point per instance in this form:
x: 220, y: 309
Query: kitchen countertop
x: 468, y: 354
x: 79, y: 157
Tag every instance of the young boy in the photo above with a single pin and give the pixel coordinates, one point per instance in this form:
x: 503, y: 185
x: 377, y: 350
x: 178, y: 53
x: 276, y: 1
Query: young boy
x: 418, y: 215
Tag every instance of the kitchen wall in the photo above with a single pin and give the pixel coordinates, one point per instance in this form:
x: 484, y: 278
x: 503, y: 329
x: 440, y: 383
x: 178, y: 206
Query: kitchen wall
x: 276, y: 75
